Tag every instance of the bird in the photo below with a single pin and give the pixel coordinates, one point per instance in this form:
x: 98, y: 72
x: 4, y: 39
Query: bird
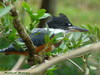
x: 56, y: 24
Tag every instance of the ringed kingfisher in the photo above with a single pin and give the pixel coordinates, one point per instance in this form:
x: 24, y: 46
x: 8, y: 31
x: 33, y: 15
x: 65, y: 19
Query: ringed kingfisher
x: 56, y: 25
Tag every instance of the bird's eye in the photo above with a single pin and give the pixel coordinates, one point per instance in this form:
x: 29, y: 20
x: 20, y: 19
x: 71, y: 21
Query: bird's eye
x: 69, y: 24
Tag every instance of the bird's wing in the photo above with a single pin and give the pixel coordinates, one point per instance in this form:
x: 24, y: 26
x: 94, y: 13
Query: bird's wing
x: 37, y: 37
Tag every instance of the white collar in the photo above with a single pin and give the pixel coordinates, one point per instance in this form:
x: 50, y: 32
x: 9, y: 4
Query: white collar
x: 55, y: 31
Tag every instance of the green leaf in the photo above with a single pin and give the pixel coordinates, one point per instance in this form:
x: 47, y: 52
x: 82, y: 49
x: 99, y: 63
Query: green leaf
x: 41, y: 13
x: 15, y: 0
x: 47, y: 39
x: 5, y: 10
x: 12, y: 35
x: 4, y: 43
x: 50, y: 70
x: 27, y: 8
x: 45, y: 16
x: 94, y: 33
x: 6, y: 20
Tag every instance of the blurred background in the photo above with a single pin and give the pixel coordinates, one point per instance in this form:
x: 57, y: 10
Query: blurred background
x: 78, y: 11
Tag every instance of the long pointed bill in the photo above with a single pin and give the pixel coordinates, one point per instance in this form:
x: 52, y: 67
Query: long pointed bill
x: 77, y: 29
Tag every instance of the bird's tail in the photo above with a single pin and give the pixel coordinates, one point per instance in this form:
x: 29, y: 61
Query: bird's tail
x: 12, y: 50
x: 17, y: 52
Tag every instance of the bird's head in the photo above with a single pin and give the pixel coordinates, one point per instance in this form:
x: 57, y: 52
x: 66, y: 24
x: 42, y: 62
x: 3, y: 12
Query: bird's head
x: 62, y: 22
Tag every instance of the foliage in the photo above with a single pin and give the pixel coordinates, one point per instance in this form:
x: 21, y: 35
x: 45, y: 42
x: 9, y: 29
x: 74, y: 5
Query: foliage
x: 35, y: 17
x: 70, y: 42
x: 93, y: 33
x: 50, y: 70
x: 76, y: 40
x: 5, y: 10
x: 7, y: 29
x: 8, y: 34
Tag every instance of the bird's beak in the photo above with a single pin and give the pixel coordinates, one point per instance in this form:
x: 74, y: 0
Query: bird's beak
x: 77, y: 29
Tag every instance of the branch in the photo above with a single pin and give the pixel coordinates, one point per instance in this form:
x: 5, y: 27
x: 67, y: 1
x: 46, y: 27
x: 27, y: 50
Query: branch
x: 22, y: 32
x: 19, y: 63
x: 72, y: 54
x: 40, y: 70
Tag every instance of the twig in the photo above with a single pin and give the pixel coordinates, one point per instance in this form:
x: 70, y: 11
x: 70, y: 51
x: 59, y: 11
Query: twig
x: 19, y: 63
x: 86, y: 68
x: 75, y: 65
